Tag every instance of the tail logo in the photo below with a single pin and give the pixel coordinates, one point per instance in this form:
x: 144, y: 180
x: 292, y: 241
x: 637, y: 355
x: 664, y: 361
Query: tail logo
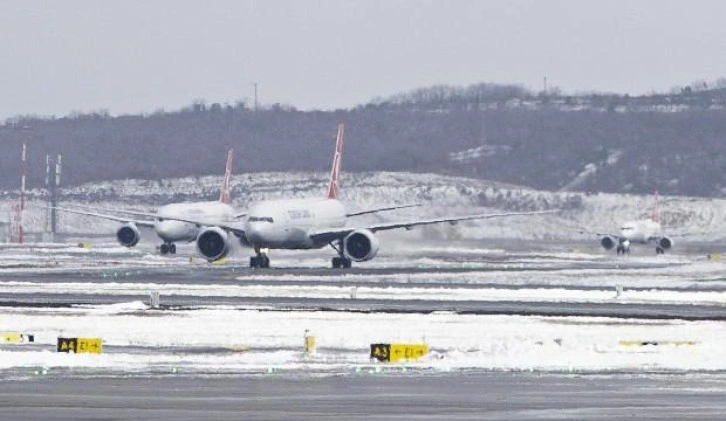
x: 334, y: 183
x: 224, y: 194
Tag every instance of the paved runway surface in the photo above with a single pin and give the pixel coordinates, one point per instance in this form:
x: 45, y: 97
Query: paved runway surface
x: 614, y: 309
x: 402, y: 277
x: 472, y: 396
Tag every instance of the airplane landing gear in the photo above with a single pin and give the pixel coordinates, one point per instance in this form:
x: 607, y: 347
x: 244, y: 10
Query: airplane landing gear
x: 622, y: 250
x: 659, y: 250
x: 340, y: 262
x: 260, y: 260
x: 167, y: 248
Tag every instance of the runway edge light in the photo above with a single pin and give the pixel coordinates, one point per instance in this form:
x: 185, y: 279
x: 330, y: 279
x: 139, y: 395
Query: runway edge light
x: 310, y: 343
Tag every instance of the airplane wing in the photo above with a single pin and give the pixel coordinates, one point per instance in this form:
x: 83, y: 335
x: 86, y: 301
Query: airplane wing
x: 331, y: 234
x: 599, y: 234
x: 235, y: 227
x: 684, y: 234
x: 376, y: 210
x: 144, y: 214
x: 113, y: 211
x: 139, y: 222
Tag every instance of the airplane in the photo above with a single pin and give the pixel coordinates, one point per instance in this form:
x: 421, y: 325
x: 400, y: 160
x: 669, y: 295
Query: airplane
x: 643, y: 231
x: 309, y: 223
x: 163, y: 221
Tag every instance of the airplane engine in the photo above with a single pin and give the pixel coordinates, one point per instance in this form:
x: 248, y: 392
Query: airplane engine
x: 665, y: 243
x: 360, y: 245
x: 213, y: 243
x: 608, y: 242
x: 128, y: 235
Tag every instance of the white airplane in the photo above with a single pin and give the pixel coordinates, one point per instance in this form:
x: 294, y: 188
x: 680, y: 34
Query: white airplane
x: 643, y: 231
x: 311, y: 223
x: 165, y: 221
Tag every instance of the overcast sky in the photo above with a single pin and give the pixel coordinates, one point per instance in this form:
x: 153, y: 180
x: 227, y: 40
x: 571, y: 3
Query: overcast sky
x: 138, y: 56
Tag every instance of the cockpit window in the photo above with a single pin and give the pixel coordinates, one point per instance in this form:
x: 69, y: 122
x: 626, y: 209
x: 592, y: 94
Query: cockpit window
x: 260, y: 219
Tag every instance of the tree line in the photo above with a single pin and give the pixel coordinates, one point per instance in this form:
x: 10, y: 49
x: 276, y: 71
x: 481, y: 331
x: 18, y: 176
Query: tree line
x: 510, y: 135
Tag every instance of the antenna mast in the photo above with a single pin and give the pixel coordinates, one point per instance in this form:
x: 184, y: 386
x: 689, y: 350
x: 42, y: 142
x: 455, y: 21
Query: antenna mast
x: 23, y: 175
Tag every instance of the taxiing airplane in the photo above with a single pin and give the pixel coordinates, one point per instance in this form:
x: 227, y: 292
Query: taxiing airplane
x: 165, y: 221
x: 310, y: 223
x: 644, y: 231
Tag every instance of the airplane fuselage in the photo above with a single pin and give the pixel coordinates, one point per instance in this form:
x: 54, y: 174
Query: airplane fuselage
x: 287, y: 224
x: 174, y: 231
x: 642, y: 231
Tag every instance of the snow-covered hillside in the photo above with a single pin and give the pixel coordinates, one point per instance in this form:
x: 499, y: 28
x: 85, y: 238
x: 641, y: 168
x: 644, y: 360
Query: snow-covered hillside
x: 437, y: 194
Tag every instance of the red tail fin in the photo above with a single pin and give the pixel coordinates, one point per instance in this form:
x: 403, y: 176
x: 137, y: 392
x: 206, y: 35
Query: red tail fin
x: 334, y: 183
x: 655, y: 208
x: 224, y: 194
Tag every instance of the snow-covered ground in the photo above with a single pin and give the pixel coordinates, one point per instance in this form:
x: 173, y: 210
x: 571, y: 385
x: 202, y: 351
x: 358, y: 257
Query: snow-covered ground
x: 261, y: 340
x: 702, y: 218
x: 558, y: 295
x: 224, y: 340
x: 469, y: 261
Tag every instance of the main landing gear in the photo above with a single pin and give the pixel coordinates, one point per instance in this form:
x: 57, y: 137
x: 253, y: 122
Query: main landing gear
x: 340, y: 262
x: 622, y: 250
x: 659, y: 250
x: 167, y: 248
x: 260, y: 260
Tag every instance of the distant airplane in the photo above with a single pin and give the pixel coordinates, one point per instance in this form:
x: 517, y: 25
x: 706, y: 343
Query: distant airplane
x: 643, y: 231
x: 310, y: 223
x: 165, y: 220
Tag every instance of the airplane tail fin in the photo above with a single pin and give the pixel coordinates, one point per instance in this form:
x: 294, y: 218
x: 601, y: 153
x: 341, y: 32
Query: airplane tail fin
x: 334, y: 183
x: 224, y: 194
x: 655, y: 208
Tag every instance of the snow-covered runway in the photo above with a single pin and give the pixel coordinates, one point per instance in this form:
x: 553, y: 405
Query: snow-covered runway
x: 219, y: 340
x: 254, y: 334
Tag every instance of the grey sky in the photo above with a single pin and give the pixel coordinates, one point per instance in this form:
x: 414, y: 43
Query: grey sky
x: 138, y: 56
